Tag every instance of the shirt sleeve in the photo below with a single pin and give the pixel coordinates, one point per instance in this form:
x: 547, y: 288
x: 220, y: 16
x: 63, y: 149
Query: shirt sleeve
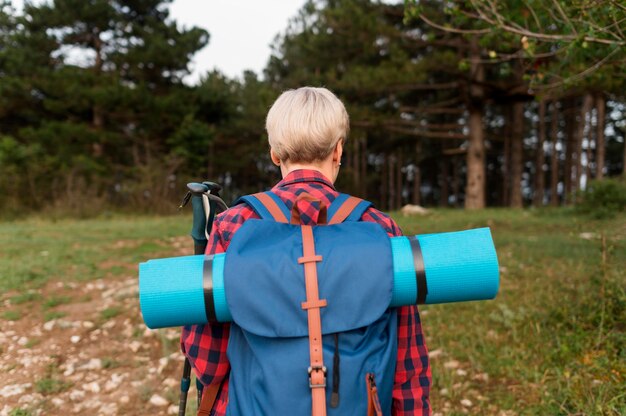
x: 205, y: 345
x: 412, y: 381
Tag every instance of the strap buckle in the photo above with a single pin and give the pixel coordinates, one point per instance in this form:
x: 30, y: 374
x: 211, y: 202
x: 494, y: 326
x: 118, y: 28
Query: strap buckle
x: 316, y: 368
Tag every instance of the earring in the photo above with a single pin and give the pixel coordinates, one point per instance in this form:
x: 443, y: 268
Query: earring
x: 339, y: 163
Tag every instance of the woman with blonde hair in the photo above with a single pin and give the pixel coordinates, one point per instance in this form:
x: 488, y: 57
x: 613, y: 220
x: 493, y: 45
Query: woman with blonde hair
x: 307, y: 129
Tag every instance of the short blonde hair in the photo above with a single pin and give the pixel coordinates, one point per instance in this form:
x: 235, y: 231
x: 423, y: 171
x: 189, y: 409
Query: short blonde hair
x: 305, y: 125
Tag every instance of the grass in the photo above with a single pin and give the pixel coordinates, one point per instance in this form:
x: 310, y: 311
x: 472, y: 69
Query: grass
x: 50, y: 315
x: 554, y: 340
x: 51, y: 383
x: 552, y: 343
x: 11, y: 315
x: 25, y: 298
x: 56, y: 301
x: 20, y: 412
x: 35, y: 251
x: 110, y: 313
x: 110, y: 363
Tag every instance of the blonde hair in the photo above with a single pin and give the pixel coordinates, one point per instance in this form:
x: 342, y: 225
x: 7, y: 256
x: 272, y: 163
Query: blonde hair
x: 305, y: 125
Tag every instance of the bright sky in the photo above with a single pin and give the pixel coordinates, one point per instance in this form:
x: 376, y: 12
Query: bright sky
x: 241, y: 31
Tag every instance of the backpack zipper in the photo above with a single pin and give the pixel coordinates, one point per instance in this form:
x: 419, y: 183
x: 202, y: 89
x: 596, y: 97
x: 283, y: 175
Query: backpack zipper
x: 373, y: 403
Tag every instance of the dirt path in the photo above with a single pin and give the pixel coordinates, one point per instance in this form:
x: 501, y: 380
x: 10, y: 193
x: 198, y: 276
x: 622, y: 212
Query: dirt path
x: 95, y: 358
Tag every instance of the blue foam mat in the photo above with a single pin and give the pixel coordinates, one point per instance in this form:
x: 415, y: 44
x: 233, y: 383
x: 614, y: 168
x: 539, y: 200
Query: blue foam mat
x: 460, y: 266
x: 171, y: 292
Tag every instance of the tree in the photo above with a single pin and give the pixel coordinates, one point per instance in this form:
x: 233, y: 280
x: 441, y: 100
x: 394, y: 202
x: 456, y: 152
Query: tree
x: 556, y: 50
x: 395, y: 96
x: 103, y: 94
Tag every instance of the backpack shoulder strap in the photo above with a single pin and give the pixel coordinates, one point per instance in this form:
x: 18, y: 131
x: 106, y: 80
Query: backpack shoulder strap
x: 267, y: 205
x: 347, y: 208
x: 209, y: 397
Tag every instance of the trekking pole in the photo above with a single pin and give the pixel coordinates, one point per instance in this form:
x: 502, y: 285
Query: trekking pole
x: 206, y: 203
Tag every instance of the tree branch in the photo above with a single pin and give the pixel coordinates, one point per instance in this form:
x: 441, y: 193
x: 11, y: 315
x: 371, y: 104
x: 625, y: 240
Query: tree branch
x: 425, y: 134
x: 578, y: 76
x: 498, y: 20
x: 453, y: 30
x: 421, y: 87
x: 428, y: 110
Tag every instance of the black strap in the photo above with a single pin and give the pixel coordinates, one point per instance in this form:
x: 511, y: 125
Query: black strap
x: 334, y: 398
x: 207, y: 284
x: 420, y: 271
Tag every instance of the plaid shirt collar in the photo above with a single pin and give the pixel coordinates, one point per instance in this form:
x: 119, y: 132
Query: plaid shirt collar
x: 303, y: 176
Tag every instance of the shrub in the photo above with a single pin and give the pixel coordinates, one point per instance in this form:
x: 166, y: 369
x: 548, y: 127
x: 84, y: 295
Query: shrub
x: 603, y: 198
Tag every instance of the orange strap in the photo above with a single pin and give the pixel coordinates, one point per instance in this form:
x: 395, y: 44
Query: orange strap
x: 317, y: 370
x: 208, y: 399
x: 345, y: 210
x: 373, y: 403
x: 272, y: 207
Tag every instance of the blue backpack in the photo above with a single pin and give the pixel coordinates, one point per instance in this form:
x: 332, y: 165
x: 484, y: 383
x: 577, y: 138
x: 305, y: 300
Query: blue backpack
x: 305, y: 338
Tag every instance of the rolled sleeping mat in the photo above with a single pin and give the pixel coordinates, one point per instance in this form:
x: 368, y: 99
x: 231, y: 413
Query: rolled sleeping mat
x: 446, y: 267
x: 427, y: 269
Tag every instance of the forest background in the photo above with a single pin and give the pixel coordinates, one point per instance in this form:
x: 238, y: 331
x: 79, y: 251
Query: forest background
x: 471, y: 104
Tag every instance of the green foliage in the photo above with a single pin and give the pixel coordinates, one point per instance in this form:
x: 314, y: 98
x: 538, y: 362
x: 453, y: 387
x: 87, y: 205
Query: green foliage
x: 49, y: 385
x: 49, y: 316
x: 118, y: 129
x: 73, y: 130
x: 603, y: 198
x: 563, y: 44
x: 18, y: 411
x: 11, y: 315
x: 110, y: 313
x: 56, y: 301
x: 110, y: 363
x: 26, y: 297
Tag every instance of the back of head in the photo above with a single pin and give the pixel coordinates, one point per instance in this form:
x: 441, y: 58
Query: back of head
x: 305, y: 125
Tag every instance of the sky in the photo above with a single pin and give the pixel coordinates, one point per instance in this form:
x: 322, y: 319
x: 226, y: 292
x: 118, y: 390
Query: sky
x: 241, y: 31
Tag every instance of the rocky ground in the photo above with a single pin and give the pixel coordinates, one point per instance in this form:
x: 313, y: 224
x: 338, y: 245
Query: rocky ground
x: 94, y: 357
x: 98, y: 358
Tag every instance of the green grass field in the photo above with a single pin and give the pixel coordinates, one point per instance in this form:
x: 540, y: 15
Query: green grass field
x: 552, y: 343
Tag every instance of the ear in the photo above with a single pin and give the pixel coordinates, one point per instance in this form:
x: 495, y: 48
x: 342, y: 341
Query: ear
x: 274, y: 158
x: 338, y: 152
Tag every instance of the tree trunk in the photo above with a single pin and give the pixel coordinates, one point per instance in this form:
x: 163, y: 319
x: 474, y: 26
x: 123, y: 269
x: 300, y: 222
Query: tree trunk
x: 445, y: 189
x: 363, y: 175
x: 581, y: 129
x: 506, y: 157
x: 554, y: 157
x: 417, y: 184
x: 399, y: 184
x: 517, y: 154
x: 456, y: 181
x: 624, y: 161
x: 570, y: 120
x: 417, y: 175
x: 391, y: 182
x: 384, y: 191
x: 600, y: 145
x: 211, y: 167
x: 540, y: 156
x: 475, y: 188
x: 356, y: 165
x: 97, y: 113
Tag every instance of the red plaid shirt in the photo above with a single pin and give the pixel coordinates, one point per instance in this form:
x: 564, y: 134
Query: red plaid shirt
x: 205, y: 345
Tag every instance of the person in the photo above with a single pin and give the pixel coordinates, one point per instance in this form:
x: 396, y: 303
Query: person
x: 307, y: 129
